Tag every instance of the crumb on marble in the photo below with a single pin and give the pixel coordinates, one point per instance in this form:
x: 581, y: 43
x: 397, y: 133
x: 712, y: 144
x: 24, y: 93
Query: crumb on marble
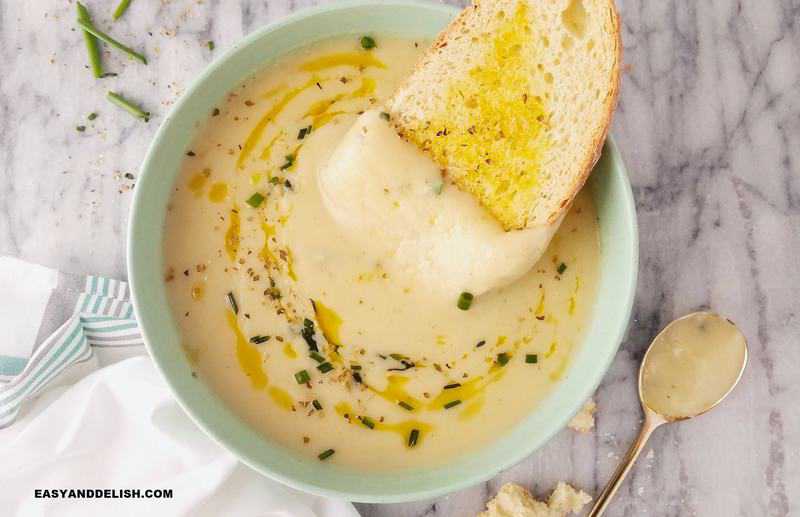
x: 583, y: 421
x: 514, y: 500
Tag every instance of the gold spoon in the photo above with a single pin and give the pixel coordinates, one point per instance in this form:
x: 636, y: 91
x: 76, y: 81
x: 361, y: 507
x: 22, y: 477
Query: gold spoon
x: 691, y: 365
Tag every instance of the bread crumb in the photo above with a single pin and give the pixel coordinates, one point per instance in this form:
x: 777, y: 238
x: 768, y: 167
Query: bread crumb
x: 514, y: 500
x: 583, y: 421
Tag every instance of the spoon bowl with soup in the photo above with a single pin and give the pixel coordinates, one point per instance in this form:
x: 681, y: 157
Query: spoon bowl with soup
x: 690, y: 367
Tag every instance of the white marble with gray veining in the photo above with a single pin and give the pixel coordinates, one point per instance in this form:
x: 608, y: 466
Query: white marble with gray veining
x: 708, y: 123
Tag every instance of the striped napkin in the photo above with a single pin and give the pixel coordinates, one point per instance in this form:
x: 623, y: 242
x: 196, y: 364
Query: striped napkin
x: 54, y: 320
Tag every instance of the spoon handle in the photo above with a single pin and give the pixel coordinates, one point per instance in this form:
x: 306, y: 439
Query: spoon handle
x: 651, y: 422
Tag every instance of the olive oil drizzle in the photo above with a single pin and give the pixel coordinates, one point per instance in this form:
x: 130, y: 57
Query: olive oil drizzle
x: 256, y: 133
x: 319, y: 111
x: 355, y: 59
x: 232, y: 235
x: 404, y: 428
x: 247, y: 355
x: 329, y: 324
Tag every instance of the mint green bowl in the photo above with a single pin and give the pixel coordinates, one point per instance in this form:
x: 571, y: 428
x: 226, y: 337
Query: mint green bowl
x: 619, y: 241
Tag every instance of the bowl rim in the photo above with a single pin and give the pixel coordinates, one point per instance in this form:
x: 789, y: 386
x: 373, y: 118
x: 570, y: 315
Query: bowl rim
x: 134, y: 253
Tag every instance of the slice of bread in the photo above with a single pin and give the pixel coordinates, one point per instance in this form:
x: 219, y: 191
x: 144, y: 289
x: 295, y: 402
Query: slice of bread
x: 514, y: 100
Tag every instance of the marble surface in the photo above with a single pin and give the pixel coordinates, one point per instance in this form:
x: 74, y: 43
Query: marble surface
x: 708, y: 123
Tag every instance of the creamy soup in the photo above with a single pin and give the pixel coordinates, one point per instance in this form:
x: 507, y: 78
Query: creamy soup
x: 319, y: 341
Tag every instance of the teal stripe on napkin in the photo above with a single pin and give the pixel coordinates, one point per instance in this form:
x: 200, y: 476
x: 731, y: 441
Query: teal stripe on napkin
x: 10, y: 366
x: 103, y: 316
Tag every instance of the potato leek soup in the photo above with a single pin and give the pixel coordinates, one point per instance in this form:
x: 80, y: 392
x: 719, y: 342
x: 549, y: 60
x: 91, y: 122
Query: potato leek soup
x: 334, y: 337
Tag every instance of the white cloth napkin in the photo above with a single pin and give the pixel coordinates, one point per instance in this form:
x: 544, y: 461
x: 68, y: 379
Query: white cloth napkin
x: 115, y: 427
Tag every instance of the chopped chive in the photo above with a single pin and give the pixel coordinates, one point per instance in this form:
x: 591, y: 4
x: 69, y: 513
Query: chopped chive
x: 452, y: 403
x: 367, y: 421
x: 355, y: 367
x: 91, y: 29
x: 405, y: 405
x: 316, y: 405
x: 302, y: 377
x: 92, y: 46
x: 398, y: 357
x: 92, y: 116
x: 357, y: 378
x: 274, y: 180
x: 480, y: 343
x: 465, y: 300
x: 453, y: 386
x: 304, y: 131
x: 120, y: 10
x: 289, y: 162
x: 287, y: 184
x: 325, y: 367
x: 367, y: 42
x: 503, y: 358
x: 211, y: 46
x: 232, y: 303
x: 385, y: 116
x: 308, y: 335
x: 255, y: 200
x: 407, y: 365
x: 413, y: 437
x: 438, y: 188
x: 531, y: 358
x: 325, y: 455
x: 128, y: 106
x: 257, y: 340
x: 80, y: 129
x: 317, y: 357
x: 561, y: 268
